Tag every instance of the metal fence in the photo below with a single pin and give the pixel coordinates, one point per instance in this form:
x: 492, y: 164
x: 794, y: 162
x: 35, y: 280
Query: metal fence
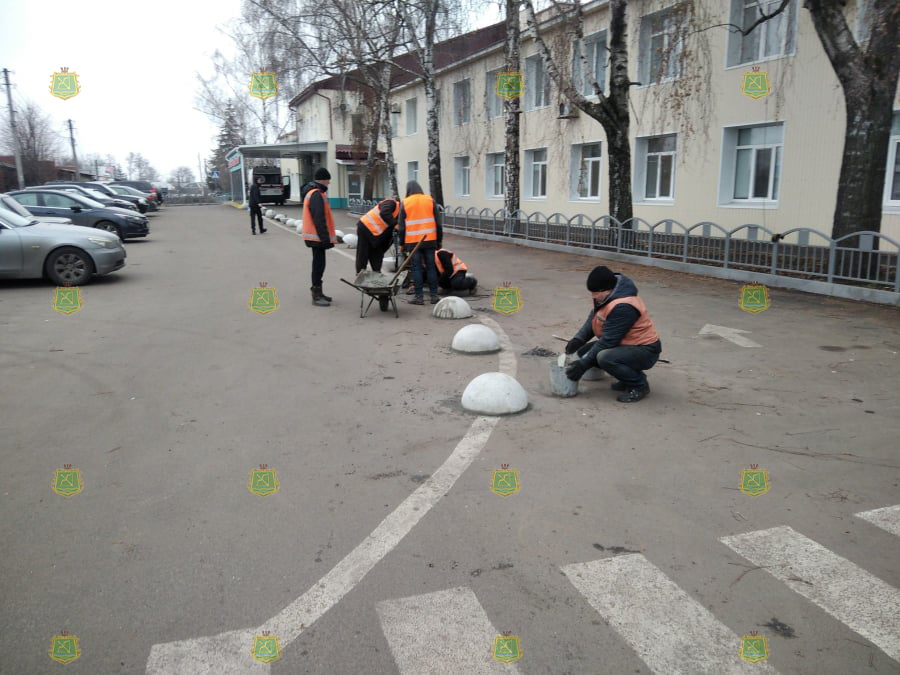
x: 181, y: 200
x: 864, y: 258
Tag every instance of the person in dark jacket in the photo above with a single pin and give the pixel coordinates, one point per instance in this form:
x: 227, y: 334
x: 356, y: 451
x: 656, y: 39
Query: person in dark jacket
x: 627, y: 342
x: 255, y: 206
x: 375, y: 234
x: 453, y: 273
x: 317, y: 230
x: 420, y: 217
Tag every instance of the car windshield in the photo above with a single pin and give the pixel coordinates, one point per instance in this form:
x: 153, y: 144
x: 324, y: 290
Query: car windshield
x: 96, y: 194
x: 11, y: 204
x: 85, y: 201
x: 14, y: 219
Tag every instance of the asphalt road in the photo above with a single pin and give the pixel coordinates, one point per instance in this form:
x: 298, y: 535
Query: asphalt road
x: 628, y: 549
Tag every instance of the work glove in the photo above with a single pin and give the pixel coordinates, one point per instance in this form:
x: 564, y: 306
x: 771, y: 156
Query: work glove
x: 574, y: 345
x: 577, y: 370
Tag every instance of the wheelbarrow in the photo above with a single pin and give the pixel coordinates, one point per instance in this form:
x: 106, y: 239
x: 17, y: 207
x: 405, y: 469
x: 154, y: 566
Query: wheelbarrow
x: 380, y: 287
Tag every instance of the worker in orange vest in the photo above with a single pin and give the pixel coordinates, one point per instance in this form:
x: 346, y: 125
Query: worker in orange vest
x: 420, y: 217
x: 452, y: 273
x: 375, y: 234
x: 627, y: 343
x: 317, y: 230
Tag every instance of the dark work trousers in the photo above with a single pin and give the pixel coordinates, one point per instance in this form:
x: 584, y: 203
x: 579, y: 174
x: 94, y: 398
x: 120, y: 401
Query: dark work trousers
x: 430, y: 271
x: 626, y: 364
x: 458, y: 282
x: 318, y: 266
x: 370, y: 249
x: 257, y: 212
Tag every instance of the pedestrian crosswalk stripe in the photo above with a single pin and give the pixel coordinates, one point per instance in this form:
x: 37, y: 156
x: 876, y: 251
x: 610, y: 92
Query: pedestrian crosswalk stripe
x: 670, y: 631
x: 887, y: 518
x: 860, y: 600
x: 443, y: 632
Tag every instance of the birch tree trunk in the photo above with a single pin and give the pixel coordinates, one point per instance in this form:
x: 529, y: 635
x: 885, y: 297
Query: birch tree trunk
x: 372, y: 154
x: 385, y: 85
x: 435, y: 185
x: 511, y: 107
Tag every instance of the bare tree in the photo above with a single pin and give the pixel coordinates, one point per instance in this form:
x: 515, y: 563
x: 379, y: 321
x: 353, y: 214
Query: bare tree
x: 38, y: 142
x: 511, y: 107
x: 182, y: 176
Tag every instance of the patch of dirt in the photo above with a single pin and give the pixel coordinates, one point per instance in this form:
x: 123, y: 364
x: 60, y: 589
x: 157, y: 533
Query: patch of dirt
x: 539, y: 351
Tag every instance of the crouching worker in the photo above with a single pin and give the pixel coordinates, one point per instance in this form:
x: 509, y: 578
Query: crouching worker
x: 627, y: 343
x: 375, y: 232
x: 452, y: 273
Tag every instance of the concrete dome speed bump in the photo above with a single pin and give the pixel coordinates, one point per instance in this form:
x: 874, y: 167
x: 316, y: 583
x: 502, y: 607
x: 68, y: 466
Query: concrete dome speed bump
x: 494, y: 394
x: 269, y: 213
x: 475, y: 339
x: 452, y: 307
x: 339, y: 234
x: 350, y: 240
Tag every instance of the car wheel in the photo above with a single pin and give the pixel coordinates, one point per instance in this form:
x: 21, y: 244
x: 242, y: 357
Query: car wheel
x: 142, y: 208
x: 69, y: 265
x: 109, y: 226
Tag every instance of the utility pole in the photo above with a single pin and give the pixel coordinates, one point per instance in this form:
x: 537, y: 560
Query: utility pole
x: 74, y: 156
x: 12, y: 125
x: 200, y: 169
x: 96, y: 170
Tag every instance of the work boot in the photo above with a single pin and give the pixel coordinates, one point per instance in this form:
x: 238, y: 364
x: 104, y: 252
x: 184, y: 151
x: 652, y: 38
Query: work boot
x: 253, y: 231
x: 474, y: 286
x: 635, y: 394
x: 435, y: 298
x: 418, y: 300
x: 317, y: 298
x: 263, y: 230
x: 324, y: 297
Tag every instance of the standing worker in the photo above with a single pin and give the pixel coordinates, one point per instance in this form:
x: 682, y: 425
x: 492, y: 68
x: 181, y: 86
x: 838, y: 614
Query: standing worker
x: 375, y: 233
x: 627, y: 343
x: 255, y: 208
x: 419, y: 216
x: 318, y: 230
x: 452, y: 273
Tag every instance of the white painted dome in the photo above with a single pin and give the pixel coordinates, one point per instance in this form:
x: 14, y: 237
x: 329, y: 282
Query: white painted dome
x: 476, y: 338
x: 452, y: 307
x: 494, y: 394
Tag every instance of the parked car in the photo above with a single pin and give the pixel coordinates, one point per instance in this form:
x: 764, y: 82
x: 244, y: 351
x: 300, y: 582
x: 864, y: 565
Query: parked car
x: 142, y: 185
x: 96, y: 195
x: 10, y: 204
x: 83, y: 211
x: 30, y: 249
x: 103, y: 188
x: 144, y: 202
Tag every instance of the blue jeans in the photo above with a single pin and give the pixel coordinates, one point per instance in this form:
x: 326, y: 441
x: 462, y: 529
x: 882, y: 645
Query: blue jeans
x: 430, y: 268
x: 626, y: 364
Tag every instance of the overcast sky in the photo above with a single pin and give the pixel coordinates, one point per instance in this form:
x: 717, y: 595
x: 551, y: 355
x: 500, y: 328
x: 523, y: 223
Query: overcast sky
x: 136, y: 64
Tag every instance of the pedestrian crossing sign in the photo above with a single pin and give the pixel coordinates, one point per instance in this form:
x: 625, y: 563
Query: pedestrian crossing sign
x: 266, y: 648
x: 507, y: 299
x: 263, y: 300
x: 64, y: 647
x: 507, y: 648
x: 67, y: 481
x: 505, y: 481
x: 754, y: 648
x: 754, y: 482
x: 263, y: 481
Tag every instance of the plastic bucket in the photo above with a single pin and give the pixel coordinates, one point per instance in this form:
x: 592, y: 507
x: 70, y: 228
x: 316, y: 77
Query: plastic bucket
x: 559, y: 383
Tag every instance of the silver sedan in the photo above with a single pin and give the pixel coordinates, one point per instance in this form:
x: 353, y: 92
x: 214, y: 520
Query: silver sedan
x: 30, y: 249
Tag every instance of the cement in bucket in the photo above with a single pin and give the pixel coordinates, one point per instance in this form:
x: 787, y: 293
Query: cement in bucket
x: 559, y: 383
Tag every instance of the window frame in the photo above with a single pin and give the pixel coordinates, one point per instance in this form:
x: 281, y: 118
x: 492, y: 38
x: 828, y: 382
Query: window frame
x: 670, y: 30
x: 409, y: 174
x: 531, y: 89
x: 530, y: 165
x: 576, y: 156
x: 729, y: 168
x: 596, y: 42
x: 734, y: 46
x: 490, y: 94
x: 893, y: 164
x: 413, y: 117
x: 491, y: 166
x: 460, y: 105
x: 647, y: 153
x: 462, y: 169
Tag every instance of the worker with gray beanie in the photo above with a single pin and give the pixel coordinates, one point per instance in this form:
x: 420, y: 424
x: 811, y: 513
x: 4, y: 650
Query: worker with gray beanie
x: 627, y: 343
x: 317, y: 230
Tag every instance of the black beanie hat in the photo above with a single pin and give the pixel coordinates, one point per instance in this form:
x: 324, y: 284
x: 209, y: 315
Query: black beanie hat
x: 322, y: 174
x: 601, y: 279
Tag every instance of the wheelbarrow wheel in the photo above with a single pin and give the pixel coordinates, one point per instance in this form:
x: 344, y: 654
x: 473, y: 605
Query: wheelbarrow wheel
x: 384, y: 303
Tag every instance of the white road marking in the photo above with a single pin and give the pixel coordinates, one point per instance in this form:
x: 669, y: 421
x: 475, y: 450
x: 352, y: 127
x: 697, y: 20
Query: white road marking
x: 229, y: 652
x: 847, y: 592
x: 670, y: 631
x: 443, y: 632
x: 730, y: 334
x: 887, y: 518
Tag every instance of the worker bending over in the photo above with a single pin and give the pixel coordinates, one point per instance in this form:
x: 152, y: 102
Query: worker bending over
x: 452, y: 273
x: 375, y: 233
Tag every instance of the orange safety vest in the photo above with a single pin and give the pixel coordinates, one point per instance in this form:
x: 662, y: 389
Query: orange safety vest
x: 308, y: 230
x: 458, y: 265
x: 643, y: 332
x: 419, y: 219
x: 373, y: 220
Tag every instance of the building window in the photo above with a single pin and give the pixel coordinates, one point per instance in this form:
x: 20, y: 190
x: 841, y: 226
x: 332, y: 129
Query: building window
x: 536, y: 170
x: 586, y: 168
x: 892, y: 179
x: 493, y: 102
x: 659, y: 168
x: 395, y: 121
x: 770, y: 39
x: 462, y: 102
x: 752, y: 163
x: 594, y: 51
x: 661, y: 42
x: 411, y: 117
x: 537, y: 84
x: 496, y: 174
x: 412, y: 171
x: 461, y: 166
x: 354, y: 185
